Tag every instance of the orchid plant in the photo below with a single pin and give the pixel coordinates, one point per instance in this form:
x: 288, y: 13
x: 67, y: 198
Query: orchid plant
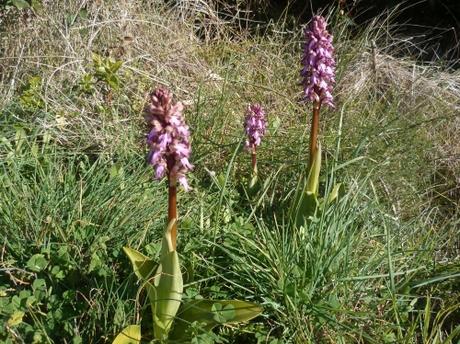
x: 255, y: 125
x: 318, y: 78
x: 169, y: 142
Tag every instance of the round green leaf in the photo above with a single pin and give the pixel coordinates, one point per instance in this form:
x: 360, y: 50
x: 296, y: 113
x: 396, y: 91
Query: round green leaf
x: 37, y: 262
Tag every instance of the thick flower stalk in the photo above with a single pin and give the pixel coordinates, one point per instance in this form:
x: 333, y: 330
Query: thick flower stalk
x: 255, y: 125
x: 318, y: 72
x: 169, y: 142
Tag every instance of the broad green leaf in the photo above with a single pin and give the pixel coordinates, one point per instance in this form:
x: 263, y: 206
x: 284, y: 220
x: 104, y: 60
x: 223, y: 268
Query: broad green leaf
x: 313, y: 174
x: 166, y: 293
x: 83, y: 14
x: 15, y: 318
x: 114, y: 171
x: 130, y: 335
x: 254, y: 185
x: 275, y: 124
x: 212, y: 313
x: 306, y: 205
x: 221, y: 180
x: 306, y: 209
x: 253, y: 181
x: 142, y: 265
x: 223, y: 313
x: 100, y: 71
x: 20, y: 137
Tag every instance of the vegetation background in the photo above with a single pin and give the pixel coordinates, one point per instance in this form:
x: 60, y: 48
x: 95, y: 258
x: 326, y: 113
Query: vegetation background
x: 380, y: 266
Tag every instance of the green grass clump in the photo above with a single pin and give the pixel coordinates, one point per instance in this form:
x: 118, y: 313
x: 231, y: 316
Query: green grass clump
x: 380, y: 265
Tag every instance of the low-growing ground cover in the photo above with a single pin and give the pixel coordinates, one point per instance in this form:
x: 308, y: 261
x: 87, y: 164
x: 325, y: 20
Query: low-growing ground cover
x: 380, y: 265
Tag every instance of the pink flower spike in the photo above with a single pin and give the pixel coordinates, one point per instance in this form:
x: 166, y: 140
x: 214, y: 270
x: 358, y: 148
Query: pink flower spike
x: 254, y: 126
x: 169, y: 137
x: 318, y: 72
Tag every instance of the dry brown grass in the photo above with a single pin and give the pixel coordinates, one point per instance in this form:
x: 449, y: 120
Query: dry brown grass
x: 155, y: 46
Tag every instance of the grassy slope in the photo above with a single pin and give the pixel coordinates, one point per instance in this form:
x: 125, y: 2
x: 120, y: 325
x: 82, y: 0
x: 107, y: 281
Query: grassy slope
x: 380, y: 265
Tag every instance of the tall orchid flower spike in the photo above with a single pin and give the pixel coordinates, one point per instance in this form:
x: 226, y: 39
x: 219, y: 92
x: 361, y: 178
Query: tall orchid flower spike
x: 169, y: 142
x: 318, y: 78
x: 318, y: 73
x: 255, y: 125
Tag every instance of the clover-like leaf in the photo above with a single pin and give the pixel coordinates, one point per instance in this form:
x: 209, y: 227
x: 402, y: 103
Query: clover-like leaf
x: 15, y: 319
x: 37, y: 262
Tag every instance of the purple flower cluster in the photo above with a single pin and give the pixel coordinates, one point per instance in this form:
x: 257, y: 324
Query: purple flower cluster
x: 254, y: 125
x: 169, y: 137
x: 318, y: 62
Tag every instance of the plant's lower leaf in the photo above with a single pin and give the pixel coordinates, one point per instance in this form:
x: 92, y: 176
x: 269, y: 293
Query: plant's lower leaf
x: 211, y: 313
x: 312, y: 185
x: 334, y: 194
x: 166, y: 292
x: 253, y: 186
x: 142, y: 265
x: 130, y: 335
x: 306, y: 202
x: 307, y: 208
x: 253, y: 181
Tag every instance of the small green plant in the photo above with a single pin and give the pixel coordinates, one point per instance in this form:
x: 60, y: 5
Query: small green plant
x: 86, y: 84
x: 106, y: 70
x: 31, y: 98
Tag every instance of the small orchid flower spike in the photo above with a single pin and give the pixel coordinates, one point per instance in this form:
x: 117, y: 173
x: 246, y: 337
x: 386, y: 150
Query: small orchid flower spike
x: 255, y: 125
